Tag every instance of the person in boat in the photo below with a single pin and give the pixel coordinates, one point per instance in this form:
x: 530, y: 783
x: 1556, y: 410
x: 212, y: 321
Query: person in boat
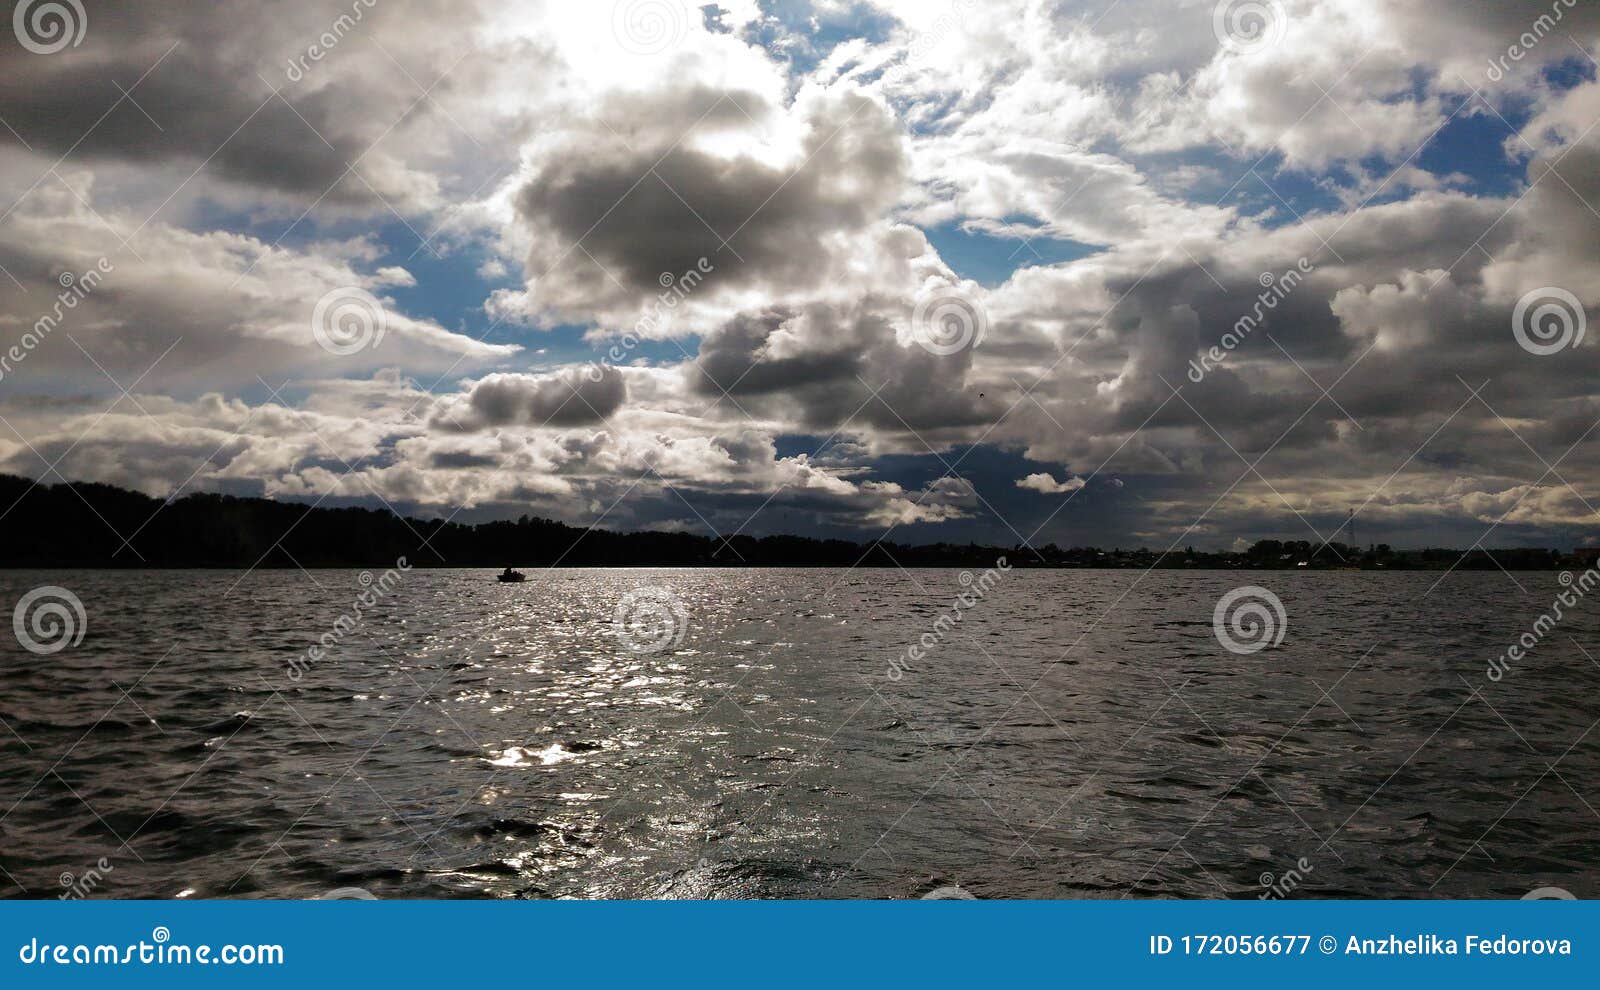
x: 509, y: 575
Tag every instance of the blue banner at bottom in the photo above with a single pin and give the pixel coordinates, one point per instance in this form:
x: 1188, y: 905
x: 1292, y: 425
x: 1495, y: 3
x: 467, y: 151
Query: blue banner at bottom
x: 799, y: 944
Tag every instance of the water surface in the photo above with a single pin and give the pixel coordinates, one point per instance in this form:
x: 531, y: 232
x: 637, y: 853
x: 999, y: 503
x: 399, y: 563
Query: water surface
x: 1076, y: 734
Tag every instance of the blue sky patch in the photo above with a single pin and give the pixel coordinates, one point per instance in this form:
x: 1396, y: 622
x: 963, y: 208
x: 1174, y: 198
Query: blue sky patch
x: 990, y: 260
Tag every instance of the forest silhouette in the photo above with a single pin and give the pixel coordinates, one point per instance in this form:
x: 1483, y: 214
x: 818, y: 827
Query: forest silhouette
x: 95, y: 525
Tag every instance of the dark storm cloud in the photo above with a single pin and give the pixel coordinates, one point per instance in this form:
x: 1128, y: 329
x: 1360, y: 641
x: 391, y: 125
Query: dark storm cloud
x: 199, y: 81
x: 1380, y: 279
x: 661, y: 206
x: 572, y: 397
x: 819, y: 365
x: 731, y: 359
x: 459, y: 459
x: 1409, y: 306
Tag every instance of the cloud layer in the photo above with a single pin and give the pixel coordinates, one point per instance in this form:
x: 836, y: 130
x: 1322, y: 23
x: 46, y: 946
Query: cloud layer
x: 1028, y: 272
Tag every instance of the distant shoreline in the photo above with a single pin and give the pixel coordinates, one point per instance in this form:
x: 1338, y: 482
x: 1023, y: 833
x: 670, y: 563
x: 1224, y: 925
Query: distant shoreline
x: 104, y: 527
x: 534, y: 570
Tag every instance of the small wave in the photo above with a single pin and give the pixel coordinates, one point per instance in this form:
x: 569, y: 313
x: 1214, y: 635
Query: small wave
x: 751, y: 879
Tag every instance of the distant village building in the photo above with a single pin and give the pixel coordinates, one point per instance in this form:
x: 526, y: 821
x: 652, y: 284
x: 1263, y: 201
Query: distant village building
x: 1587, y: 556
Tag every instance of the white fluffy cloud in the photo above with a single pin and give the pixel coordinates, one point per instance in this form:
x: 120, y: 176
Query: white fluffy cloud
x: 1046, y: 484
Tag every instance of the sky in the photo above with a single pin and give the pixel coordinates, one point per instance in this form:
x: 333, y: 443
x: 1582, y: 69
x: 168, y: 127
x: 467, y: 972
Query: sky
x: 1120, y: 273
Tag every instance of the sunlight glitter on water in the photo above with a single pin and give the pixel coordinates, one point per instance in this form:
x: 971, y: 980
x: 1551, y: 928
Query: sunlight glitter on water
x: 474, y: 740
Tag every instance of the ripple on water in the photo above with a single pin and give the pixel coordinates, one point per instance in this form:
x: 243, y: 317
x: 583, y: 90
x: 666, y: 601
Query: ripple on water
x: 472, y: 739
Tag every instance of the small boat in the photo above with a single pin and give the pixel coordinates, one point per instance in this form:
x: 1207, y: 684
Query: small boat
x: 510, y: 576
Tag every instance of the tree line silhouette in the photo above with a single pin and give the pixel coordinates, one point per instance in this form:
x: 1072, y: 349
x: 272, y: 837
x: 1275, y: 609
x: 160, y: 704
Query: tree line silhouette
x: 96, y: 525
x: 86, y: 524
